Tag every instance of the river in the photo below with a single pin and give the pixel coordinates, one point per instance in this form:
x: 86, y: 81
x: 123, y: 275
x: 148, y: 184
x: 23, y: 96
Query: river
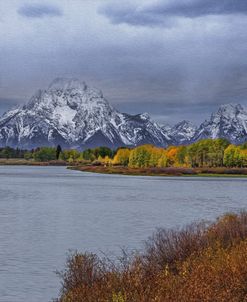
x: 47, y: 211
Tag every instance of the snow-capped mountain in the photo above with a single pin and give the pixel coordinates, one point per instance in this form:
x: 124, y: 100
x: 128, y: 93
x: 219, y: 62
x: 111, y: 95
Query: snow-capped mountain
x: 72, y: 114
x: 182, y: 133
x: 230, y: 122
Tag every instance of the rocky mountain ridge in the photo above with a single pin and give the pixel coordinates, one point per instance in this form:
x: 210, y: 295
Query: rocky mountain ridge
x: 74, y: 115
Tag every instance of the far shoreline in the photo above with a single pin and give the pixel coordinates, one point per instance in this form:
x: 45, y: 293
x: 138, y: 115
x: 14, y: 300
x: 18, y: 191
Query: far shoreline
x: 123, y: 170
x: 163, y: 172
x: 26, y: 162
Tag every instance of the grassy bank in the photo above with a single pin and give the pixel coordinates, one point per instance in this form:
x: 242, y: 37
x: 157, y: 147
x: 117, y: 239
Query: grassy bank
x: 122, y: 170
x: 25, y: 162
x: 198, y: 263
x: 238, y: 172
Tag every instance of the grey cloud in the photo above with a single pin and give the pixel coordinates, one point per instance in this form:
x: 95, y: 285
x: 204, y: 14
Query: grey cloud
x: 39, y: 11
x: 183, y: 72
x: 197, y: 8
x: 131, y: 15
x: 164, y: 12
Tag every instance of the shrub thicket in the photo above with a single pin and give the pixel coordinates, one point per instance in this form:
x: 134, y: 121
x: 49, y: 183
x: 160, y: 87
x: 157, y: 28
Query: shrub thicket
x: 198, y: 263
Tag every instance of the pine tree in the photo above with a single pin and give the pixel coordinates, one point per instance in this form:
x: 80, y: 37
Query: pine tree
x: 58, y: 151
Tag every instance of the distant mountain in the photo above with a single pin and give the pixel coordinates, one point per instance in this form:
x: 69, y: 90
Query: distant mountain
x: 230, y: 122
x: 182, y: 133
x: 74, y: 115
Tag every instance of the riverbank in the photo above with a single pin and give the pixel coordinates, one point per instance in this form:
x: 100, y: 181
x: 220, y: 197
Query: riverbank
x: 121, y: 170
x: 25, y: 162
x: 200, y: 262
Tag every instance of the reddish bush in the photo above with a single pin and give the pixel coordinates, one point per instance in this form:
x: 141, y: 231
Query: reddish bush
x: 198, y: 263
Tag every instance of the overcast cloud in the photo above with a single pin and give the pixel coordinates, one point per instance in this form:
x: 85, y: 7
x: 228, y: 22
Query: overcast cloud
x: 39, y: 10
x: 162, y: 13
x: 175, y: 59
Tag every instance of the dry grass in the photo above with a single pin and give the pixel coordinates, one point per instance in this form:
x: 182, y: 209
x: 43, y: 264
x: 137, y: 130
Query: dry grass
x: 25, y: 162
x: 136, y: 171
x: 198, y: 263
x: 171, y: 171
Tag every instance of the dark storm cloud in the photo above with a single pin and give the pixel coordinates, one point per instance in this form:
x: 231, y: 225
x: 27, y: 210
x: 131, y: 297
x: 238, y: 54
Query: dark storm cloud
x: 162, y: 12
x: 39, y: 11
x: 130, y: 15
x: 175, y: 66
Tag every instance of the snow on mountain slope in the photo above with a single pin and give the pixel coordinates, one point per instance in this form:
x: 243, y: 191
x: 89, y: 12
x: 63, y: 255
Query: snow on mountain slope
x: 140, y: 129
x: 230, y: 122
x: 74, y: 115
x: 183, y: 132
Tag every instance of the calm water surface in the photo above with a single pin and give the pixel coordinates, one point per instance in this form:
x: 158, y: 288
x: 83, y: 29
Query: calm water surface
x: 47, y: 211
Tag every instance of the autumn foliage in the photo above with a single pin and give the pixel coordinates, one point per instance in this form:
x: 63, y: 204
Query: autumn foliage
x: 209, y: 153
x: 200, y: 262
x: 204, y: 153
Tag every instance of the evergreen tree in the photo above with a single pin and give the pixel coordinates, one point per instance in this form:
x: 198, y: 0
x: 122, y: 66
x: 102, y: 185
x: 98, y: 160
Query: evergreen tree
x: 58, y: 151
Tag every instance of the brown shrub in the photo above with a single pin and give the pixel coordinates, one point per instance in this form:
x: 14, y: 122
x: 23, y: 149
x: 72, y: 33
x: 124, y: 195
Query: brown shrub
x: 198, y: 263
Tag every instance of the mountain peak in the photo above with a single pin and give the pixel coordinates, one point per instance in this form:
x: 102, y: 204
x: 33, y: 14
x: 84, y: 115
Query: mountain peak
x: 74, y: 115
x: 184, y: 123
x: 183, y: 132
x: 67, y: 83
x: 229, y: 122
x: 71, y: 114
x: 230, y: 109
x: 145, y: 116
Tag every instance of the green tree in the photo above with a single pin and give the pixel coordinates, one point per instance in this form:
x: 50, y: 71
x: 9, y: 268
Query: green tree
x: 145, y: 156
x: 71, y: 154
x: 88, y: 155
x: 58, y: 151
x: 28, y: 155
x: 103, y: 152
x: 45, y: 154
x: 122, y: 157
x: 230, y: 156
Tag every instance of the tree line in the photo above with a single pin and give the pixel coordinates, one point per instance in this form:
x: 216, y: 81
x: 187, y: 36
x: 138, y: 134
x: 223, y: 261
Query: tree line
x: 204, y: 153
x: 52, y: 153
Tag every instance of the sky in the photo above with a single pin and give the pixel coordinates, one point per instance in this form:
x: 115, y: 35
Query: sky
x: 175, y: 59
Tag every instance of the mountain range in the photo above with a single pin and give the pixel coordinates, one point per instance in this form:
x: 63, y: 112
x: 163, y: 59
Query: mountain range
x: 74, y: 115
